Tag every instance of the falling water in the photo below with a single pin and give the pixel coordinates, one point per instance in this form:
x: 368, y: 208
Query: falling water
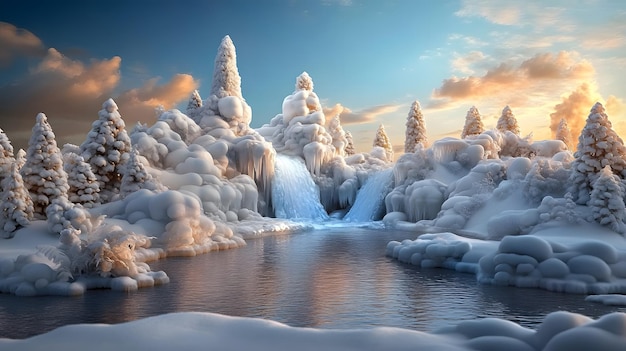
x: 294, y: 194
x: 370, y: 200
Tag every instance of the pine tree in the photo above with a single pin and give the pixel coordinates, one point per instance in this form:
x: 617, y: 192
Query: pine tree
x: 598, y: 146
x: 349, y: 149
x: 382, y: 140
x: 193, y: 106
x: 20, y: 158
x: 136, y: 177
x: 473, y: 123
x: 6, y: 154
x: 507, y: 122
x: 43, y: 172
x: 563, y: 133
x: 84, y: 187
x: 607, y: 201
x: 226, y: 79
x: 106, y: 148
x: 415, y: 129
x: 16, y: 206
x: 338, y: 134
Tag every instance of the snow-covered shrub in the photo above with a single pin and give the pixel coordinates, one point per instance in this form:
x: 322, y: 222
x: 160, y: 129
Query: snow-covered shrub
x: 108, y: 251
x: 63, y: 214
x: 545, y: 178
x: 185, y: 127
x: 135, y: 176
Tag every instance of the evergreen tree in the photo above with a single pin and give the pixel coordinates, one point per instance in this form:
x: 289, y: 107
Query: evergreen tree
x: 598, y: 146
x: 84, y: 187
x: 507, y: 122
x: 382, y: 140
x: 226, y: 79
x: 136, y: 177
x: 193, y: 106
x: 304, y: 82
x: 473, y: 123
x: 6, y: 154
x: 106, y: 148
x: 43, y: 172
x: 563, y: 133
x: 415, y: 129
x: 338, y: 134
x: 349, y: 149
x: 607, y: 201
x: 16, y: 206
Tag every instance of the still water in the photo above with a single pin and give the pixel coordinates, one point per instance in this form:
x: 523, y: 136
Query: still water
x: 326, y: 278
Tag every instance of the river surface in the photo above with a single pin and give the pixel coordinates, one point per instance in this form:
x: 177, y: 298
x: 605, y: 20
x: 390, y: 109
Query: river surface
x: 327, y: 278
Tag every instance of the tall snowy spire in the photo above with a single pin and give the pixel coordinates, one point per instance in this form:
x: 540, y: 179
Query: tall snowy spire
x: 226, y: 79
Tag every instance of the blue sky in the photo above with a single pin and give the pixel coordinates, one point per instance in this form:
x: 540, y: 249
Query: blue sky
x: 369, y: 60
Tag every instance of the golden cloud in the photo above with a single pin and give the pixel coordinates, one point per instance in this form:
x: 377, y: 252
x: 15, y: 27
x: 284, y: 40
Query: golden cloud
x: 367, y: 115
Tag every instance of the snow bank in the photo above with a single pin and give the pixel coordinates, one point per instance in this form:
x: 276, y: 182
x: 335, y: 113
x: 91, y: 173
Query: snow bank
x: 189, y: 330
x: 529, y: 261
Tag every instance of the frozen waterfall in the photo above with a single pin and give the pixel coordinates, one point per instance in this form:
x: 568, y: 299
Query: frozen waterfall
x: 369, y: 204
x: 294, y: 194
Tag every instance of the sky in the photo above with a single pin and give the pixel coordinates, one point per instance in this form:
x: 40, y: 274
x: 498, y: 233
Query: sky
x: 369, y: 61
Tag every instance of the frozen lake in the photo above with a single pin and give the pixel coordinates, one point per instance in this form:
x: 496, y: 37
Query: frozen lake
x: 327, y: 278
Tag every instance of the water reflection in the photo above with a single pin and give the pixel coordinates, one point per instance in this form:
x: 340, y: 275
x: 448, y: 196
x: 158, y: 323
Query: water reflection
x: 331, y: 278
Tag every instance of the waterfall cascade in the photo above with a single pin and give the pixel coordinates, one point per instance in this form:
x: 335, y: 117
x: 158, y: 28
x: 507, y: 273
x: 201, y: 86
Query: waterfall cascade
x: 369, y: 204
x: 294, y: 194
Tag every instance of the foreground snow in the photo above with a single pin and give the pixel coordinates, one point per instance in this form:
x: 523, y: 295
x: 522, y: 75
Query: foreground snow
x: 191, y: 330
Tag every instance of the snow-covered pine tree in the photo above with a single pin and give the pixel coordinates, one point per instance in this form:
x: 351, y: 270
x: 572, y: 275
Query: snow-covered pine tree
x: 136, y: 176
x: 563, y: 133
x: 598, y: 146
x: 106, y: 148
x: 338, y: 134
x: 43, y: 172
x: 473, y: 123
x: 16, y: 206
x: 607, y: 201
x: 84, y: 186
x: 195, y: 102
x: 415, y: 128
x: 226, y: 79
x: 382, y: 140
x: 304, y: 82
x: 349, y: 149
x: 6, y: 154
x: 507, y: 122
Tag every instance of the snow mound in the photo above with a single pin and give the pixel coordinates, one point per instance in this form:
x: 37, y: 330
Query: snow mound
x: 191, y: 330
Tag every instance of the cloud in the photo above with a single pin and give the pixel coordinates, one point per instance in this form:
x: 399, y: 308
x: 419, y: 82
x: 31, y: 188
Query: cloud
x: 499, y: 13
x: 71, y: 93
x: 140, y: 103
x: 368, y: 115
x: 507, y: 78
x: 16, y: 42
x: 575, y: 109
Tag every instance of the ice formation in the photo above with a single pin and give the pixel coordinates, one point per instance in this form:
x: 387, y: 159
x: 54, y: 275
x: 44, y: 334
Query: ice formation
x: 300, y: 129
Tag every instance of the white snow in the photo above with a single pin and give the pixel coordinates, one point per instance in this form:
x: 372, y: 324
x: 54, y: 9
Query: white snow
x: 193, y: 330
